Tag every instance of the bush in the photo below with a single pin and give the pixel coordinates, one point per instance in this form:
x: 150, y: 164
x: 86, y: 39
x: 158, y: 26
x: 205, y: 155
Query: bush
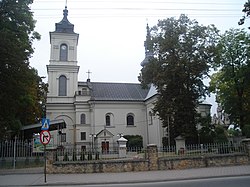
x: 134, y: 141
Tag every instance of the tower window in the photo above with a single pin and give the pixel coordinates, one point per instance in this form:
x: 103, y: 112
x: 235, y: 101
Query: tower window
x: 62, y: 85
x: 63, y: 52
x: 83, y: 119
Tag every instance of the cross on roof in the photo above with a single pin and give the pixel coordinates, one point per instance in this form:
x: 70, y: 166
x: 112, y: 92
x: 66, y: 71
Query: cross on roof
x: 88, y: 72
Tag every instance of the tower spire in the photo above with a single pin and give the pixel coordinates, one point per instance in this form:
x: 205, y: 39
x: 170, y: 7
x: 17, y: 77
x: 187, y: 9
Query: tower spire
x: 88, y: 72
x: 65, y: 13
x: 64, y: 25
x: 148, y: 48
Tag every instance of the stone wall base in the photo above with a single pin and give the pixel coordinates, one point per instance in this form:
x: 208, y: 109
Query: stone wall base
x: 201, y: 162
x: 129, y: 165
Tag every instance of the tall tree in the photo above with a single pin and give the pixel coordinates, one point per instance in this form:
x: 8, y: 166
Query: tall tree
x: 232, y: 82
x: 183, y: 50
x: 246, y: 11
x: 19, y: 83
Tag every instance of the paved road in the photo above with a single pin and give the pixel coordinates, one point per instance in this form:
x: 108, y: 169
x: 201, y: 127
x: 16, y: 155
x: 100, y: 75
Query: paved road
x: 33, y: 178
x: 210, y: 182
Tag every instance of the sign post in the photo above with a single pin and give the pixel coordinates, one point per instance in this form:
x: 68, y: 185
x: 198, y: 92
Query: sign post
x: 45, y: 174
x: 45, y: 137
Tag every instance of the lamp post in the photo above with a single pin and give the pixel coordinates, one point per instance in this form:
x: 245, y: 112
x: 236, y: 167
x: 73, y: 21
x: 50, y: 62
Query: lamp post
x: 168, y: 130
x: 92, y: 136
x: 120, y: 135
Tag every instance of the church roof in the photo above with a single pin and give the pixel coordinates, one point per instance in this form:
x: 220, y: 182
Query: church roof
x: 104, y: 91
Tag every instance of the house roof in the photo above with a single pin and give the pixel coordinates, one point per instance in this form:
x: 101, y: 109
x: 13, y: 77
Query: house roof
x: 104, y: 91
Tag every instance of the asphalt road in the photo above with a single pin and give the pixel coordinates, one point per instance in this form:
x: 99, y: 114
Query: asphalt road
x: 236, y: 176
x: 239, y: 181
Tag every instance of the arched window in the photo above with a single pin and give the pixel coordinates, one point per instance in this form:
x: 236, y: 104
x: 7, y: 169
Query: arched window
x: 130, y: 120
x: 109, y: 118
x: 83, y: 119
x: 63, y: 52
x: 62, y: 85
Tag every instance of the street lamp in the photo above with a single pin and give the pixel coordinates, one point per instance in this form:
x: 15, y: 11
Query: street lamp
x: 92, y: 136
x: 120, y: 135
x: 168, y: 129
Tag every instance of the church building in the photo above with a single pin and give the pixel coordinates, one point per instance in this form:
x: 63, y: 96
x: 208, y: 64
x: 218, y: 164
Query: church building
x: 96, y: 114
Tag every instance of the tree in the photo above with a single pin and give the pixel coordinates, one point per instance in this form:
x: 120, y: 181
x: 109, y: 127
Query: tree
x: 182, y: 52
x: 19, y: 83
x: 246, y: 11
x: 231, y: 83
x: 207, y: 129
x: 220, y: 135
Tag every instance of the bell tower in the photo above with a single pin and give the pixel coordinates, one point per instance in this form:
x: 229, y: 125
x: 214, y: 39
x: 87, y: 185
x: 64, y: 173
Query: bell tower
x: 62, y: 69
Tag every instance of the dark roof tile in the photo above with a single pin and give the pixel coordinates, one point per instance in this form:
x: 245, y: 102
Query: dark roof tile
x: 118, y: 91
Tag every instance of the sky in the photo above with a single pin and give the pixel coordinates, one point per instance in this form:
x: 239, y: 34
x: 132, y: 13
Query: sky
x: 112, y: 32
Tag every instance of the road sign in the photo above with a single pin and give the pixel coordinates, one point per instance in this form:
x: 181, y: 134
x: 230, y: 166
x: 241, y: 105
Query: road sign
x: 45, y: 124
x: 45, y: 137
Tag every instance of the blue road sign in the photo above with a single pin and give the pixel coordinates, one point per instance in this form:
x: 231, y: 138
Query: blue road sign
x: 45, y: 124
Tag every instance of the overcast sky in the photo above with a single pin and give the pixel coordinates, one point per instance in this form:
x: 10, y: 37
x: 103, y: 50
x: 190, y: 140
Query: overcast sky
x: 112, y: 32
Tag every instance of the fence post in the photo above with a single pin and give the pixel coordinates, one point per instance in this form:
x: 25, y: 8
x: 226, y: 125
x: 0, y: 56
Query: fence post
x: 180, y: 145
x: 152, y: 157
x: 14, y: 156
x: 122, y: 147
x: 246, y: 143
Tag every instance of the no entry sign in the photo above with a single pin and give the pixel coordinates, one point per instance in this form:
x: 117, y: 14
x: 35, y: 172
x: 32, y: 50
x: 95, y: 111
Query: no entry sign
x: 45, y: 137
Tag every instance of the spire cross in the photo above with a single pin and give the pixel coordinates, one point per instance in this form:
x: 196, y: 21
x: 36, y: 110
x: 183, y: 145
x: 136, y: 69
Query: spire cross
x: 88, y: 72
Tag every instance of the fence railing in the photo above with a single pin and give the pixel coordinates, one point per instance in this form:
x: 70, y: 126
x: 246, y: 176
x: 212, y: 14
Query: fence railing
x: 97, y: 153
x: 19, y: 154
x: 201, y: 149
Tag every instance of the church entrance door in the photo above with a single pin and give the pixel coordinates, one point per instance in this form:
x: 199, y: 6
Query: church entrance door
x: 105, y: 147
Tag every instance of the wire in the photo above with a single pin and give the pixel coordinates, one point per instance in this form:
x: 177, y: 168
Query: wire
x: 87, y: 12
x: 151, y: 2
x: 157, y: 9
x: 133, y: 16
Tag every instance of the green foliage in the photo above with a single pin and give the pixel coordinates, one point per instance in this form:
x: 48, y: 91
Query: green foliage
x: 206, y: 132
x: 246, y: 11
x: 231, y: 83
x: 234, y: 132
x: 22, y: 90
x: 220, y: 135
x: 246, y: 129
x: 183, y: 51
x: 135, y: 141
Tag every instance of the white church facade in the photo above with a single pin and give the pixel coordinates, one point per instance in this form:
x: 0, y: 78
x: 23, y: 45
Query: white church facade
x: 95, y: 113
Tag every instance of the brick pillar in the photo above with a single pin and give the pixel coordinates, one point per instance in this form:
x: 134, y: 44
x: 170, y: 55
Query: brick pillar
x: 246, y: 143
x: 152, y: 152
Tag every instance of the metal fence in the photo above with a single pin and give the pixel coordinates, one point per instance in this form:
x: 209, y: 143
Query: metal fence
x: 202, y: 149
x: 19, y: 154
x: 97, y: 153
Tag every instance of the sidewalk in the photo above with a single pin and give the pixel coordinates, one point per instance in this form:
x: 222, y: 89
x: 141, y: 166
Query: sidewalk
x: 22, y: 178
